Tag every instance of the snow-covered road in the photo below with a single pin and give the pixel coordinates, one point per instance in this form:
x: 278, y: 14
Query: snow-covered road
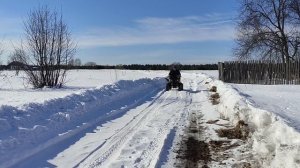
x: 139, y: 141
x: 137, y: 138
x: 151, y: 134
x: 131, y: 124
x: 135, y: 123
x: 144, y: 134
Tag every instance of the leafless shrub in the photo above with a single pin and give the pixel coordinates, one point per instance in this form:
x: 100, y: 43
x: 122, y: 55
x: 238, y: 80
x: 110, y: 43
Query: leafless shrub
x: 47, y: 50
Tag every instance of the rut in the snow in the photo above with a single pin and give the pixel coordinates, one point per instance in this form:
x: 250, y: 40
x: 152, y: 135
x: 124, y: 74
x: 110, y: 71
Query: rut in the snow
x: 193, y: 150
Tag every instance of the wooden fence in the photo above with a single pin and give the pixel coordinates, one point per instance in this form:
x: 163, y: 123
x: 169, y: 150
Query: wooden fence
x: 259, y: 72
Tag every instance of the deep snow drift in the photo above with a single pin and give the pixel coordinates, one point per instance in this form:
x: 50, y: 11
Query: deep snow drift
x: 97, y: 108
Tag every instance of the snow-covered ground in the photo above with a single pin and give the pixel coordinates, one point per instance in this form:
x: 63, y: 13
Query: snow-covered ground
x: 283, y: 100
x: 119, y: 118
x: 15, y: 91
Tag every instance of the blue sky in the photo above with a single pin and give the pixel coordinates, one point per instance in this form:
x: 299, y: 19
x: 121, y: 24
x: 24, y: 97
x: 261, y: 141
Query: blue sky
x: 135, y: 31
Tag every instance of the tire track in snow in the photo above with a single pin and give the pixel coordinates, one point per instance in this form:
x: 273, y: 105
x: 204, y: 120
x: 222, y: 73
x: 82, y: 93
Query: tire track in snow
x: 150, y: 154
x: 114, y: 142
x: 115, y: 134
x: 146, y: 144
x: 153, y: 120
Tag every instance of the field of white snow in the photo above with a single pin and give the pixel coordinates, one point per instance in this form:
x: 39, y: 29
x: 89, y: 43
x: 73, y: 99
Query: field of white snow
x: 120, y: 118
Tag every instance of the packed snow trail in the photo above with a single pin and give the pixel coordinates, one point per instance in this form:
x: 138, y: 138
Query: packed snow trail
x: 144, y: 144
x: 137, y: 138
x: 145, y: 126
x: 150, y: 135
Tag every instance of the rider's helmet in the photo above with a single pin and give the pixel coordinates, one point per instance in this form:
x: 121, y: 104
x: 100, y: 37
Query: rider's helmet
x: 175, y: 66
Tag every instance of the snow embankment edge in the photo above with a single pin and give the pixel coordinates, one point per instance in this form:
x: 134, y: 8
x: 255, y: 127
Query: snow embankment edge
x: 274, y: 142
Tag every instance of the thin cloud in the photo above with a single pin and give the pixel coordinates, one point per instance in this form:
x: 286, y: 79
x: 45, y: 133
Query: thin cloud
x: 206, y: 20
x: 162, y: 31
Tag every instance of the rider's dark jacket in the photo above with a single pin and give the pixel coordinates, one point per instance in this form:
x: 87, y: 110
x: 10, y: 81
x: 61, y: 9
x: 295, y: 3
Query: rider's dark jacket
x: 174, y: 74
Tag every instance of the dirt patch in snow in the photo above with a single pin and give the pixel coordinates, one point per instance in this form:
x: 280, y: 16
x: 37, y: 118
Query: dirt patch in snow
x: 213, y: 89
x: 212, y: 121
x: 198, y: 150
x: 193, y: 151
x: 240, y: 131
x: 215, y: 98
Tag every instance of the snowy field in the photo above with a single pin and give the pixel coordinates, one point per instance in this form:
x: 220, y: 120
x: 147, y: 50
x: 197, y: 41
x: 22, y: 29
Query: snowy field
x: 119, y: 118
x: 15, y: 91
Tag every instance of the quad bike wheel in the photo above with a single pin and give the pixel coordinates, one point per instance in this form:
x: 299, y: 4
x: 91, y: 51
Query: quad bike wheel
x: 180, y: 86
x: 168, y: 86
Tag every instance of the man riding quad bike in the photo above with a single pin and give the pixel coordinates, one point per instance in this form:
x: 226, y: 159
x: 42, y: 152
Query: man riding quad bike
x: 174, y: 79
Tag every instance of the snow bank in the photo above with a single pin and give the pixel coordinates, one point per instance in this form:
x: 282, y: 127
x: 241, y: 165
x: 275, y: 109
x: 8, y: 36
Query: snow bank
x: 275, y: 143
x: 15, y: 91
x: 36, y: 126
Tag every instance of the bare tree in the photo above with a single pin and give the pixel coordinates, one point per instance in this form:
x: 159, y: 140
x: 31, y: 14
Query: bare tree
x: 1, y: 49
x: 268, y: 30
x: 48, y: 48
x: 71, y: 62
x: 1, y: 52
x: 90, y: 64
x: 77, y: 62
x: 14, y: 58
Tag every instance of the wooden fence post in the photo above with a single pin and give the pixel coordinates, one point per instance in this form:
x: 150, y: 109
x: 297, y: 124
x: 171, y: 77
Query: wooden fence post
x: 260, y: 72
x: 221, y: 71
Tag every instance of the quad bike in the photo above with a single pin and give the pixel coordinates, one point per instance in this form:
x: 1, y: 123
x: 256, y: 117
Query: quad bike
x: 174, y: 83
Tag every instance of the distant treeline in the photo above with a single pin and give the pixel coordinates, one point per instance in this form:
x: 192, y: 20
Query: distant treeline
x: 129, y: 67
x: 149, y: 67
